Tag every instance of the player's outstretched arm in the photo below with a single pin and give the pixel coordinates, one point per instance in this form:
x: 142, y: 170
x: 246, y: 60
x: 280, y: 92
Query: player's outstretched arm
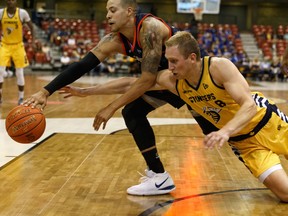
x: 117, y: 86
x: 69, y: 75
x: 106, y: 47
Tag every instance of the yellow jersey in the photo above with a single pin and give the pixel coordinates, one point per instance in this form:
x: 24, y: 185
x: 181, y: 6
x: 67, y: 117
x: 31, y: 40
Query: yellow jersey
x: 213, y: 102
x: 11, y: 28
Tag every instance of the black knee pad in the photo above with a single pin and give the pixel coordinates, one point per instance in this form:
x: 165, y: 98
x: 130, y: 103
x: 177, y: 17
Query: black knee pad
x: 135, y: 113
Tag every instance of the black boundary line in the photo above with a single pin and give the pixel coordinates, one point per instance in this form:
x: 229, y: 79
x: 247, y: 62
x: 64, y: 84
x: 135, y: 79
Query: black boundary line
x: 163, y: 204
x: 27, y: 151
x: 116, y: 131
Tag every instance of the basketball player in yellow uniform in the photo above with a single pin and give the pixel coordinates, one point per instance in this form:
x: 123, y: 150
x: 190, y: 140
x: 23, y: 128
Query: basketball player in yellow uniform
x: 255, y: 128
x: 12, y: 48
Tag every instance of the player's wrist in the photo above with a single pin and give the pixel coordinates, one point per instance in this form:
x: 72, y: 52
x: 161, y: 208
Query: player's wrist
x: 45, y: 92
x: 83, y: 92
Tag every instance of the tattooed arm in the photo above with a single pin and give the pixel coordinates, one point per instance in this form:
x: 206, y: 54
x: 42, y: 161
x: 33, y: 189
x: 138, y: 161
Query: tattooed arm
x: 152, y: 36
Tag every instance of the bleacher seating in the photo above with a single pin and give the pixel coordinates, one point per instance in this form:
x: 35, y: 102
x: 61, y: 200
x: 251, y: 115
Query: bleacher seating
x: 270, y: 41
x: 76, y: 37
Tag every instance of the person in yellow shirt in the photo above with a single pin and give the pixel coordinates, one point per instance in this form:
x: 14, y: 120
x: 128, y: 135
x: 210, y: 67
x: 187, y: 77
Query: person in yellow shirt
x: 12, y: 19
x: 252, y: 124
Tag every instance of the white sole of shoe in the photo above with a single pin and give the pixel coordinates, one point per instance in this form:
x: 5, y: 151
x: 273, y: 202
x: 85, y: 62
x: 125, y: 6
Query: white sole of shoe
x: 155, y: 193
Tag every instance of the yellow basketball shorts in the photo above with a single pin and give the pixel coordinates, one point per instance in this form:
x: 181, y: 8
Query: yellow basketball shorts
x: 261, y: 152
x: 16, y: 53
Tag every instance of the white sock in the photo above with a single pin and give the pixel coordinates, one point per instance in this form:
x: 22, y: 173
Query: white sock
x: 21, y: 94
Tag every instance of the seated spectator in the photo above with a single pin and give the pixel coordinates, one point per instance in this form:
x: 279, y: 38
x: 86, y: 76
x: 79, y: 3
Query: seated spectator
x: 265, y: 71
x: 71, y: 41
x: 244, y: 66
x: 255, y: 67
x: 235, y: 59
x: 284, y: 66
x: 65, y: 60
x: 226, y: 53
x: 111, y: 65
x: 46, y: 49
x: 276, y: 69
x: 124, y: 65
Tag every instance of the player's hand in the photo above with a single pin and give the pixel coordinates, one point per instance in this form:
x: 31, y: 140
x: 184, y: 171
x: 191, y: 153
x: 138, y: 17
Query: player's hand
x: 69, y: 91
x: 102, y: 117
x: 38, y: 100
x: 217, y: 138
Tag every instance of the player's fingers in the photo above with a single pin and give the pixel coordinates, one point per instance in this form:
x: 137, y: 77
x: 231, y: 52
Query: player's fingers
x: 104, y: 125
x: 39, y: 107
x: 26, y: 102
x: 67, y: 96
x: 221, y: 143
x: 207, y: 140
x: 97, y: 123
x: 36, y: 104
x: 211, y: 141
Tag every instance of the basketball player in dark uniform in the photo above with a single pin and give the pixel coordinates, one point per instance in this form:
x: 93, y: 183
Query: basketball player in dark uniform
x: 141, y: 36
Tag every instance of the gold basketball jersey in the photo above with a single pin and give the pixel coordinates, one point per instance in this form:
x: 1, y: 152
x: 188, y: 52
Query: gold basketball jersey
x: 11, y: 28
x: 212, y: 101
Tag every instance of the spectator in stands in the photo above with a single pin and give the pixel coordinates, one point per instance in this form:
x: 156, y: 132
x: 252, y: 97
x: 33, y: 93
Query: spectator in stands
x: 12, y: 19
x: 187, y: 27
x: 235, y: 59
x: 226, y: 53
x: 265, y: 72
x: 207, y: 40
x: 255, y: 66
x: 275, y: 69
x: 81, y: 50
x: 125, y: 65
x: 111, y: 64
x: 284, y: 65
x: 244, y: 65
x: 215, y: 48
x: 46, y: 49
x: 65, y: 60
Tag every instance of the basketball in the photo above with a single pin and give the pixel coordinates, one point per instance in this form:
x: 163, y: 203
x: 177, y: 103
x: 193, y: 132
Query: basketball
x: 25, y: 124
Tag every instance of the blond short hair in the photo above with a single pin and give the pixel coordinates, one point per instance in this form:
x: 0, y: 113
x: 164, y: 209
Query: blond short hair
x: 186, y: 43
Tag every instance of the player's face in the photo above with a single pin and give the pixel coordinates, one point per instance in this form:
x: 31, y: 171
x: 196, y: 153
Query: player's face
x: 116, y: 15
x: 178, y: 64
x: 11, y: 3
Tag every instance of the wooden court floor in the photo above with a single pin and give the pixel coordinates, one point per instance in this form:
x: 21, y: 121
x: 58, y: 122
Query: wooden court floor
x: 75, y: 174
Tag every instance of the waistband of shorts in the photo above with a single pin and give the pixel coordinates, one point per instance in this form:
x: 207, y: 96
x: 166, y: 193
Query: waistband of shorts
x: 11, y: 43
x: 257, y: 128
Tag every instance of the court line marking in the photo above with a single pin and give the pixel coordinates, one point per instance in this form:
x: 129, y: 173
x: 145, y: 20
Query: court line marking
x: 10, y: 147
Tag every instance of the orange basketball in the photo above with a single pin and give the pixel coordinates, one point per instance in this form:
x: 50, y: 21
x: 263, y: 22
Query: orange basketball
x: 25, y: 124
